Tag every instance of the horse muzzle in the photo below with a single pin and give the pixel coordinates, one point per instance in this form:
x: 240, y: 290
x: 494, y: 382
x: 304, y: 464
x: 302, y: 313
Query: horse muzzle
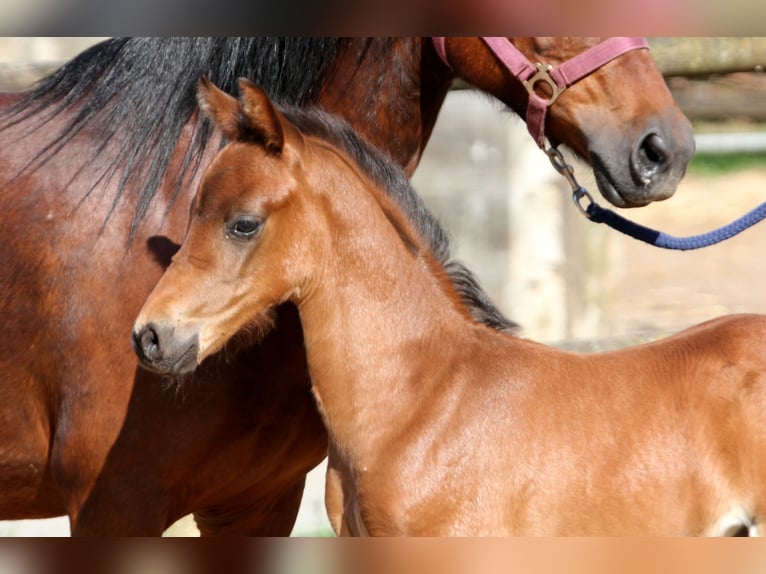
x: 644, y: 169
x: 159, y: 349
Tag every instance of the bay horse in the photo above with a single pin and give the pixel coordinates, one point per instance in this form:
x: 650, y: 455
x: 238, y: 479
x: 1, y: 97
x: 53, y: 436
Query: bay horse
x: 438, y: 424
x: 97, y: 171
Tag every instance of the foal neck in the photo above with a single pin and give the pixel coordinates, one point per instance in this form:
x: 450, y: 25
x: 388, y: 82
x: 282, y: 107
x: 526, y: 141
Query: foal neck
x: 378, y: 311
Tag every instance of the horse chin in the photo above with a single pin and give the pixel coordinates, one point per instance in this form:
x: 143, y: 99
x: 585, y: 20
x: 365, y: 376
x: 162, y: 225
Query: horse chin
x: 619, y: 195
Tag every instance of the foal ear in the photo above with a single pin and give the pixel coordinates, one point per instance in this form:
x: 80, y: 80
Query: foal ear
x: 252, y: 117
x: 220, y: 107
x: 263, y: 120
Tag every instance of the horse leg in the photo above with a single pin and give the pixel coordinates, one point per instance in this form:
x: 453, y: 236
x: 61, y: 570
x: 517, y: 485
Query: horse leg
x: 104, y: 497
x: 120, y: 514
x: 27, y: 489
x: 262, y: 516
x: 105, y: 503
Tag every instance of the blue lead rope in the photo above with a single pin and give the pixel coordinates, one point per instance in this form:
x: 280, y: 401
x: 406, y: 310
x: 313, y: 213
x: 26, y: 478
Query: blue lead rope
x: 598, y: 214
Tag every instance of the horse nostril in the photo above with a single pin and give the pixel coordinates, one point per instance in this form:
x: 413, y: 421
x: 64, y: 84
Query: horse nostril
x: 146, y: 343
x: 651, y: 157
x: 654, y: 149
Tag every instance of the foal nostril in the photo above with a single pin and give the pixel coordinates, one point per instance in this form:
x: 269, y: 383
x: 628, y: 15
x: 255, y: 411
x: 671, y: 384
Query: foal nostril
x: 146, y: 343
x: 651, y: 157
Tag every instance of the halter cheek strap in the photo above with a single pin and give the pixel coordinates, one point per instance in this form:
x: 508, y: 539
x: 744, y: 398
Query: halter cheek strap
x: 558, y: 79
x: 438, y: 42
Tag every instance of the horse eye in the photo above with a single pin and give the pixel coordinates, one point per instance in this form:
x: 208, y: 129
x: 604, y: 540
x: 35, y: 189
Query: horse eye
x: 244, y: 227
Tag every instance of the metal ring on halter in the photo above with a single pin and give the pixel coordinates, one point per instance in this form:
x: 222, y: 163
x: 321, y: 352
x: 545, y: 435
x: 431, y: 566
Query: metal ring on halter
x: 557, y: 159
x: 577, y: 196
x: 543, y: 75
x: 566, y: 169
x: 560, y: 165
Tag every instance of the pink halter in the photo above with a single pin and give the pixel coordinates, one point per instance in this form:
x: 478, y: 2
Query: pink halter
x: 559, y: 79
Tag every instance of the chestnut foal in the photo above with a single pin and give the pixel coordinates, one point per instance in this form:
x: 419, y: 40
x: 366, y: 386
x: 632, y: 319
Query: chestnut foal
x: 439, y: 425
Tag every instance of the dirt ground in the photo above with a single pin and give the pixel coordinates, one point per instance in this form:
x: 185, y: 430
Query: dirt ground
x: 650, y: 289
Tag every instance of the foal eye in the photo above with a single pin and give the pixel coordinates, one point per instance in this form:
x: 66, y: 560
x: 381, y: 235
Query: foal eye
x: 244, y: 227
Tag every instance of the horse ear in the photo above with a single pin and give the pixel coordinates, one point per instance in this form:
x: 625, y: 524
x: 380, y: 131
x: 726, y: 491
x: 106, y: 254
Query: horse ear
x: 263, y: 120
x: 220, y: 107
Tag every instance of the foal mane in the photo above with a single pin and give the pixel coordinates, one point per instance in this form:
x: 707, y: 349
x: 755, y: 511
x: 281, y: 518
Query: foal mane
x: 405, y: 203
x: 140, y: 92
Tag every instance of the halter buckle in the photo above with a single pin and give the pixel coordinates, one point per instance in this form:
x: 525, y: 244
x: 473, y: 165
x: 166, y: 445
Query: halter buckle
x: 543, y: 75
x: 578, y: 196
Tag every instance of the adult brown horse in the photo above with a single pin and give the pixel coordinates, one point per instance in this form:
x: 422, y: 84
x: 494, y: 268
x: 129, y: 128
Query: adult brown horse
x: 439, y: 425
x: 99, y: 163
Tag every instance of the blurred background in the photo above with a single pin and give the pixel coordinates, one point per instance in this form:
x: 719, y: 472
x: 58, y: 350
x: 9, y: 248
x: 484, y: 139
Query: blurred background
x: 566, y: 281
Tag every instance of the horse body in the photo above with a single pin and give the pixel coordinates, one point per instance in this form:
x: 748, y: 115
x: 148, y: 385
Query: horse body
x: 106, y: 445
x: 102, y: 448
x: 98, y: 169
x: 437, y: 424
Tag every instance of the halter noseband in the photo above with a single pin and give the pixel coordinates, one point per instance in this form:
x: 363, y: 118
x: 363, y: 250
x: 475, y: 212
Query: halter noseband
x: 558, y: 79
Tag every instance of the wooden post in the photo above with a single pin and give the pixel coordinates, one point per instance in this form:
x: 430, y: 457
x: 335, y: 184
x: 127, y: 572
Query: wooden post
x: 535, y: 293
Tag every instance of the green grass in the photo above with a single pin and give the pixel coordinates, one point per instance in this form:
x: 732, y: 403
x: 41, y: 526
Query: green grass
x: 723, y: 163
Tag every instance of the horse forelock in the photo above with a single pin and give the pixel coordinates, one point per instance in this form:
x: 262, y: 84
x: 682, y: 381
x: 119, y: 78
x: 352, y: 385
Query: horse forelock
x: 141, y: 92
x: 431, y: 239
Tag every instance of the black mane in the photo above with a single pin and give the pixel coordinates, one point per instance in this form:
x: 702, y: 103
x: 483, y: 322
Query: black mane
x: 140, y: 92
x: 391, y: 177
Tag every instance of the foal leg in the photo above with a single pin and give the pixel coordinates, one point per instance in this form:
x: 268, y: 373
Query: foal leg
x: 339, y: 498
x: 333, y: 499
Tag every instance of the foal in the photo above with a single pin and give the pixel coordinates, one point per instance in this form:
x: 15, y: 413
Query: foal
x: 439, y: 425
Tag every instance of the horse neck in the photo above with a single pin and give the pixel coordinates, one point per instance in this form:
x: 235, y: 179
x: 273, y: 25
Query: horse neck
x: 89, y: 169
x: 390, y: 90
x: 375, y: 319
x: 10, y: 98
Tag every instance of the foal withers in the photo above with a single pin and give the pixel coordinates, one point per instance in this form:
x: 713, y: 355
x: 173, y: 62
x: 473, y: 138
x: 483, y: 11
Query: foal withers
x: 439, y: 425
